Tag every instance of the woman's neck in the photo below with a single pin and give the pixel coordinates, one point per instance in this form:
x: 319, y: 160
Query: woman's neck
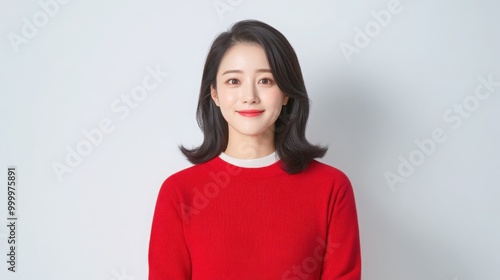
x: 248, y: 152
x: 250, y: 147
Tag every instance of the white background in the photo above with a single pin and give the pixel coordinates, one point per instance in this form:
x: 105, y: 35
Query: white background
x: 440, y: 222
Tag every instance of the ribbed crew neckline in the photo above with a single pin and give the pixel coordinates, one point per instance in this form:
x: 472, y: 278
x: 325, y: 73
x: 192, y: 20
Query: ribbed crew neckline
x: 251, y: 163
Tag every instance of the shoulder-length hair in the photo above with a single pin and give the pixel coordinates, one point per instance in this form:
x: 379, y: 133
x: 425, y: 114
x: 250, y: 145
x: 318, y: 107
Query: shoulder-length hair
x: 290, y: 142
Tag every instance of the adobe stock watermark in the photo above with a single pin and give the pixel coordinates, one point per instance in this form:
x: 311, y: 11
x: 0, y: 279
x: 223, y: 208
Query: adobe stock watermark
x: 224, y: 6
x: 454, y: 117
x: 212, y: 189
x: 220, y: 179
x: 312, y: 263
x: 372, y: 28
x: 31, y: 26
x: 121, y: 107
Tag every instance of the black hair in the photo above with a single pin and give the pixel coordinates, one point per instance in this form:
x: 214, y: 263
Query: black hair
x: 290, y: 142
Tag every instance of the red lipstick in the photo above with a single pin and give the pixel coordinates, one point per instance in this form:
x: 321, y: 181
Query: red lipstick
x: 250, y: 113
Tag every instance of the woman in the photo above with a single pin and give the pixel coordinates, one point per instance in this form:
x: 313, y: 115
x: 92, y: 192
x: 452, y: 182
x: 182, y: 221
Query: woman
x: 255, y: 204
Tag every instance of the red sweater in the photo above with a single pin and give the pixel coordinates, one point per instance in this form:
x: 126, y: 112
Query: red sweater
x: 217, y: 221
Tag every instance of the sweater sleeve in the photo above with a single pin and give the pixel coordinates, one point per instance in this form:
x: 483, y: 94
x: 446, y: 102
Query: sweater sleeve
x: 342, y: 260
x: 168, y: 255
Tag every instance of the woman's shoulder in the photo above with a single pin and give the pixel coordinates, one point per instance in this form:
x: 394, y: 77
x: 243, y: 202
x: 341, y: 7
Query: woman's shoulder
x: 189, y: 174
x: 318, y: 168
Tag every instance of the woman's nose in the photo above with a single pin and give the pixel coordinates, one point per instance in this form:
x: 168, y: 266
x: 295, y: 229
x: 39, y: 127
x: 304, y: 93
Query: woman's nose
x: 249, y: 93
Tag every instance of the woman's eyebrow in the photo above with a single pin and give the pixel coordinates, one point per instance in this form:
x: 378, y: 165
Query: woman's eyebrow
x: 240, y: 71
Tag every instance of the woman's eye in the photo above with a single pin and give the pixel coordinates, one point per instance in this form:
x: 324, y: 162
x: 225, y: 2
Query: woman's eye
x: 266, y: 81
x: 232, y: 81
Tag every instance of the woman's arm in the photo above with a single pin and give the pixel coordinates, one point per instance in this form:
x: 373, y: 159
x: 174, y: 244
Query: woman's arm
x: 342, y: 259
x: 168, y: 253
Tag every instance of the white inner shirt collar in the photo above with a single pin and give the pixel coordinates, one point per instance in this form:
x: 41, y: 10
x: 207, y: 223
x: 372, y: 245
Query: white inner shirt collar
x: 251, y: 163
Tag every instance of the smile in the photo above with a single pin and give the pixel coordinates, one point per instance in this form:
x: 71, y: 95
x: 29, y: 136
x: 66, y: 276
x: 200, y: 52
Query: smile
x: 250, y: 113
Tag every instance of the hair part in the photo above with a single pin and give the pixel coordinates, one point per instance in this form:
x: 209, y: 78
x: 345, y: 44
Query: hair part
x: 290, y: 142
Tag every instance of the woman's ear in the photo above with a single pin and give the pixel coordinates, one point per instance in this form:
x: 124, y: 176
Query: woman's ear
x: 213, y: 93
x: 285, y: 100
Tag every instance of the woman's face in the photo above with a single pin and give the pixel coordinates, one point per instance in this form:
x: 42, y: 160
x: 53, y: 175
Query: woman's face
x: 245, y: 82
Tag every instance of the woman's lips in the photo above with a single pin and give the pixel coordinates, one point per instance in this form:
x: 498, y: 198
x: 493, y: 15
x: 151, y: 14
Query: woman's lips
x: 250, y: 113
